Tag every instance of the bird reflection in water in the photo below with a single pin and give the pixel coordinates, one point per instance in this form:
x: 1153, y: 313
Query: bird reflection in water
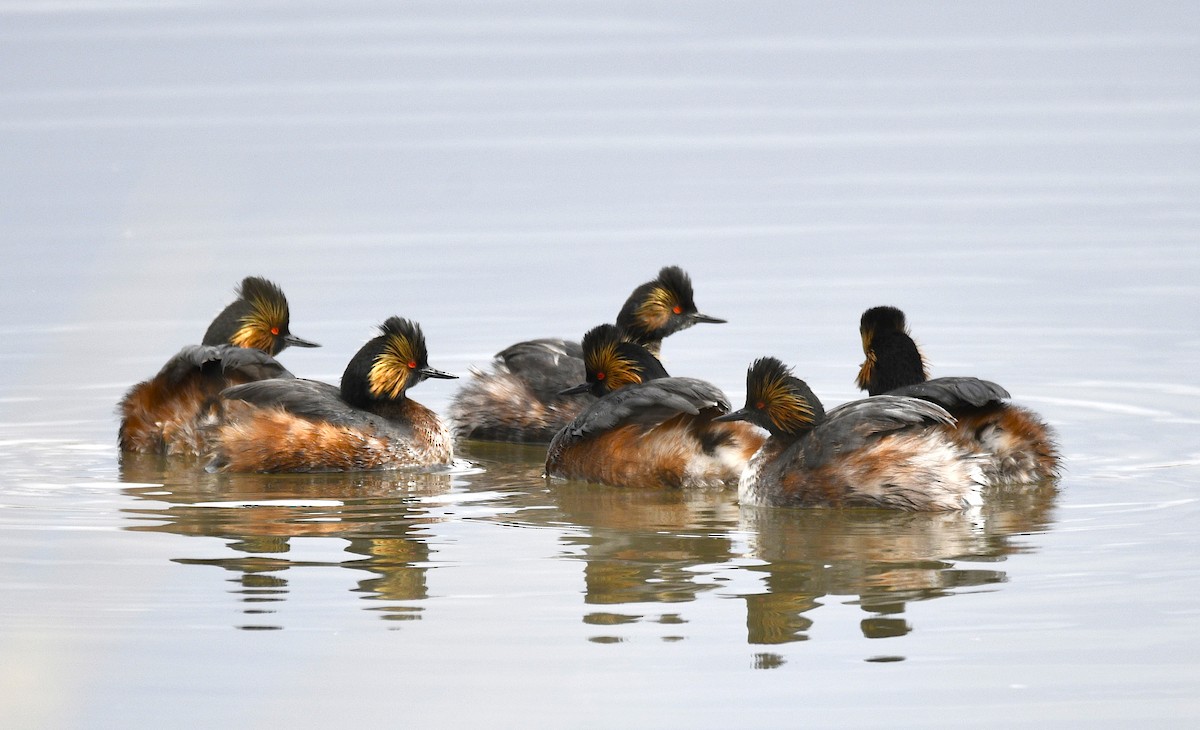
x: 880, y: 560
x: 645, y: 547
x: 379, y: 514
x: 673, y: 547
x: 638, y: 546
x: 646, y: 554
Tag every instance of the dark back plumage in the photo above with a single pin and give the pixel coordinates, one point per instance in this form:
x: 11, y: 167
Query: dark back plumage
x: 659, y: 433
x: 854, y: 425
x: 308, y: 398
x: 239, y: 363
x: 547, y: 365
x: 955, y: 392
x: 651, y: 402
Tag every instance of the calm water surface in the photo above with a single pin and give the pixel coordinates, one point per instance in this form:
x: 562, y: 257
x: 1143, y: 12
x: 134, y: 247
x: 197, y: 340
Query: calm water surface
x: 1021, y: 180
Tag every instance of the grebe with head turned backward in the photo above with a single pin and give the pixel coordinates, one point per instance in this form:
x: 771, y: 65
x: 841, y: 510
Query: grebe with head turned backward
x: 888, y: 451
x: 1021, y: 447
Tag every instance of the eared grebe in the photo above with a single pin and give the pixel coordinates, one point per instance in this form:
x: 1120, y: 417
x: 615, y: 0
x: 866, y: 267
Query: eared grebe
x: 159, y: 415
x: 877, y: 452
x: 1020, y: 445
x: 295, y: 425
x: 647, y: 429
x: 520, y: 399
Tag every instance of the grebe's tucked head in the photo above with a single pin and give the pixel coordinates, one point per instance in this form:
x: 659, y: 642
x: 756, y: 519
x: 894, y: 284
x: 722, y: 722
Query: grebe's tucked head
x: 257, y: 319
x: 893, y: 359
x: 611, y: 363
x: 777, y: 400
x: 659, y: 308
x: 881, y: 319
x: 388, y: 365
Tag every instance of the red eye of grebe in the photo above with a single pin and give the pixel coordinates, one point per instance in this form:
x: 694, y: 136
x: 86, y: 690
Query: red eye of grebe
x: 760, y: 405
x: 275, y: 331
x: 599, y: 376
x: 412, y: 364
x: 677, y: 309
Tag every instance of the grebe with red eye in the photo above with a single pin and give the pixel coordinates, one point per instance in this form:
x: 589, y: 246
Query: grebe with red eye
x: 1021, y: 447
x: 159, y: 415
x: 887, y: 451
x: 647, y: 429
x: 296, y: 425
x: 520, y: 399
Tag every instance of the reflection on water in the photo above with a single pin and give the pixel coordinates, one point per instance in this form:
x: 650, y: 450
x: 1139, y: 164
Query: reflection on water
x: 380, y: 515
x: 645, y: 548
x: 638, y: 546
x: 640, y: 549
x: 883, y: 559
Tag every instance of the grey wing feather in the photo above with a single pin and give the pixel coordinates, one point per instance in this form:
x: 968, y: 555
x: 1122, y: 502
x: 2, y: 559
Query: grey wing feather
x: 249, y: 362
x: 547, y: 366
x: 852, y: 425
x: 545, y: 352
x: 955, y: 392
x: 310, y: 399
x: 647, y: 403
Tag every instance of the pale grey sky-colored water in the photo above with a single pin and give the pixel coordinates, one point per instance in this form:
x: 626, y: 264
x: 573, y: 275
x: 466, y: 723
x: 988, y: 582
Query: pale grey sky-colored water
x: 1020, y: 178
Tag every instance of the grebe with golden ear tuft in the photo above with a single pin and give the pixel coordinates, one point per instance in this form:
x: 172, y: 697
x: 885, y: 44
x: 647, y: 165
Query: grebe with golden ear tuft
x: 160, y: 415
x: 888, y: 451
x: 297, y: 425
x: 520, y: 399
x: 648, y: 429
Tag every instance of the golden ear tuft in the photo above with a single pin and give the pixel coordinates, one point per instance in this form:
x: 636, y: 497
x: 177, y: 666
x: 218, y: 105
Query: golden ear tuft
x: 617, y: 369
x: 656, y: 308
x: 402, y: 353
x: 604, y: 360
x: 267, y: 317
x: 866, y: 371
x: 772, y: 384
x: 392, y: 368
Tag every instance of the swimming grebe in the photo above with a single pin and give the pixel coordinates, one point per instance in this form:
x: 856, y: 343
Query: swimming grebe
x: 647, y: 429
x: 159, y: 415
x: 886, y: 451
x: 1021, y: 446
x: 296, y: 425
x: 520, y: 400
